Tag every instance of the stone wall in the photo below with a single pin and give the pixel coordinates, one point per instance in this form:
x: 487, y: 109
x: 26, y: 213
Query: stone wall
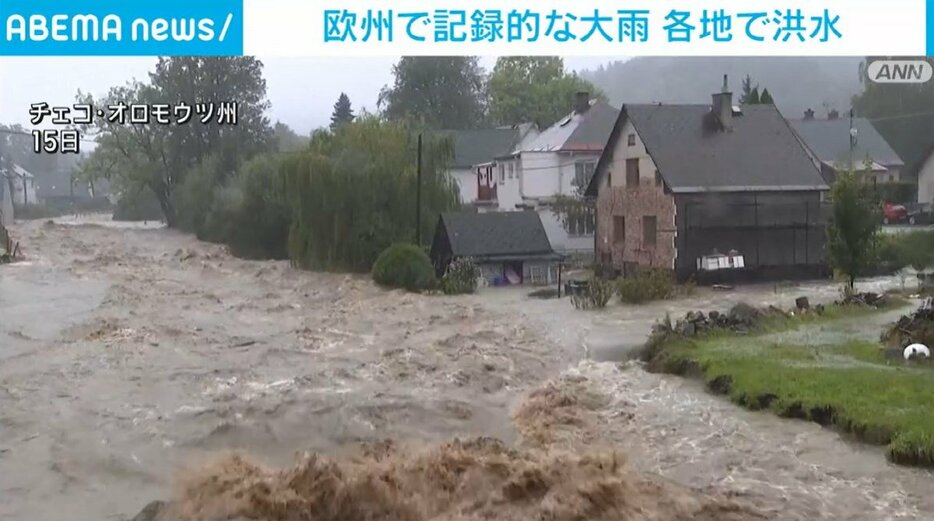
x: 633, y: 204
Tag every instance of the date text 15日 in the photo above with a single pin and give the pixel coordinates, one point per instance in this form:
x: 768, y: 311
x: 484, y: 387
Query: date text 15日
x: 113, y: 28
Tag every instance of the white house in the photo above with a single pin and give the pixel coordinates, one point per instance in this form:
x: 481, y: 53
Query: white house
x: 476, y: 147
x: 22, y: 184
x: 558, y: 162
x: 926, y: 177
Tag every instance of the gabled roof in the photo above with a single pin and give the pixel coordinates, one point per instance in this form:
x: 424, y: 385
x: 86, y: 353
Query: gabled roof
x: 18, y: 171
x: 761, y: 153
x: 578, y: 132
x: 829, y: 140
x: 478, y: 146
x: 496, y: 234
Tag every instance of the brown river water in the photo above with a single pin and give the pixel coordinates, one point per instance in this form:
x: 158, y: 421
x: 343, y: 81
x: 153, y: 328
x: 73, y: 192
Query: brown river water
x: 133, y: 359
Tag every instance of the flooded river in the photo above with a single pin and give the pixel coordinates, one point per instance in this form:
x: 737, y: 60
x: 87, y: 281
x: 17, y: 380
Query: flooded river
x: 128, y: 354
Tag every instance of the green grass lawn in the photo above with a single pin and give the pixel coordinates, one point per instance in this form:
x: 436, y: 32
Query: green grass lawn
x: 849, y: 386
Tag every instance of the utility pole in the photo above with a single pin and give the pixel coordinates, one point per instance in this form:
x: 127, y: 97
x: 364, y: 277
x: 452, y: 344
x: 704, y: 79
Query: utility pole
x: 852, y: 139
x: 418, y: 194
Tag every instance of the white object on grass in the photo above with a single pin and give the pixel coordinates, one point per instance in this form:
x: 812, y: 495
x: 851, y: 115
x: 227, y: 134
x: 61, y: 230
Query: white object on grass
x: 917, y: 350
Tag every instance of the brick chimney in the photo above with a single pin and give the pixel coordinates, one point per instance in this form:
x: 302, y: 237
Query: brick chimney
x: 581, y: 102
x: 833, y: 114
x: 808, y: 115
x: 723, y: 106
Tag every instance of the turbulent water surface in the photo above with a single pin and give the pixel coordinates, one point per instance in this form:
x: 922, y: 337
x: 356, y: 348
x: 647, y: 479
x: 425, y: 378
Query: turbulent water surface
x: 130, y: 353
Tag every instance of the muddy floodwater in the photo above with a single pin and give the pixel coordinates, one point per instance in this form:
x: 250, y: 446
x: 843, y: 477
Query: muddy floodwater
x: 130, y: 353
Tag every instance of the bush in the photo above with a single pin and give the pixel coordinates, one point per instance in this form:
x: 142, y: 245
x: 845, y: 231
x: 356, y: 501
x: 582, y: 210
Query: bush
x: 461, y: 278
x: 32, y: 212
x: 646, y: 286
x: 903, y: 250
x: 404, y: 266
x: 138, y: 205
x: 597, y: 294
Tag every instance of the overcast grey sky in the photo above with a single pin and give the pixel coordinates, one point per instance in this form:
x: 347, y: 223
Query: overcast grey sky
x: 302, y: 90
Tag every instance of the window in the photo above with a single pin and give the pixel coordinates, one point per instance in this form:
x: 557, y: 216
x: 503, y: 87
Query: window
x: 502, y: 173
x: 619, y: 229
x: 609, y: 178
x: 512, y: 170
x: 632, y: 140
x: 582, y: 174
x: 582, y: 223
x: 632, y: 172
x: 649, y: 230
x: 658, y: 179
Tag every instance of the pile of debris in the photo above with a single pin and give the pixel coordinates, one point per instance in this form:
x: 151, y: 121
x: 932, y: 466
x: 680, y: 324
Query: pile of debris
x: 875, y: 300
x: 916, y: 328
x: 742, y: 318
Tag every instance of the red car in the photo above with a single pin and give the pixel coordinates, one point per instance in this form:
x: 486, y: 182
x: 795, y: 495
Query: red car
x: 912, y: 213
x: 894, y: 213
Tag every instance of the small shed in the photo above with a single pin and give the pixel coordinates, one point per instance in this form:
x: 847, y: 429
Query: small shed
x: 511, y: 248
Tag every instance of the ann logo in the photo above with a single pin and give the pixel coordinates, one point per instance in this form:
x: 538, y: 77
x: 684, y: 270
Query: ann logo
x: 900, y: 71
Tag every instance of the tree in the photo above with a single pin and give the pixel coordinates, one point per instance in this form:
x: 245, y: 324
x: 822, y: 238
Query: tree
x: 901, y: 112
x: 747, y: 90
x: 160, y: 157
x: 533, y: 89
x: 353, y: 193
x: 442, y: 92
x: 853, y: 232
x: 286, y: 138
x: 343, y: 113
x: 766, y: 98
x: 753, y: 98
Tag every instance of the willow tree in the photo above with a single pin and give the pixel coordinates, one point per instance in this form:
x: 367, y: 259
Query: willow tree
x: 353, y: 193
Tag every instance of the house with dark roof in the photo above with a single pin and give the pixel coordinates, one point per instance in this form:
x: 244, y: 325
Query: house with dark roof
x: 559, y: 162
x: 837, y: 143
x: 511, y: 248
x: 476, y: 147
x: 679, y: 185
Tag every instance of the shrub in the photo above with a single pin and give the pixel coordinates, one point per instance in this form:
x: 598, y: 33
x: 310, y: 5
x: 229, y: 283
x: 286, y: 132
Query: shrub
x: 138, y: 205
x: 404, y: 266
x: 597, y: 294
x: 461, y: 278
x: 645, y: 286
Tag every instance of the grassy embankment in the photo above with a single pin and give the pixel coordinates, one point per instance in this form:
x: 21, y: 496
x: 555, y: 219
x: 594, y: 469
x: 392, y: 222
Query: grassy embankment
x: 849, y: 386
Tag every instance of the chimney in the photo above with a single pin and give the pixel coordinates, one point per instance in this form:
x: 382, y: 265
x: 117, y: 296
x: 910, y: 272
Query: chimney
x: 581, y: 102
x: 723, y: 106
x: 833, y: 114
x: 808, y: 115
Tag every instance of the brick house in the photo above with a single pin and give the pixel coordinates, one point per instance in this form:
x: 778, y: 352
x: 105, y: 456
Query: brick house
x: 677, y: 183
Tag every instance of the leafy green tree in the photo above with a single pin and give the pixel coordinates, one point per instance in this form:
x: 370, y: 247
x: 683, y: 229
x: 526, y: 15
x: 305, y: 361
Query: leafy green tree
x: 766, y: 98
x: 286, y: 138
x: 748, y: 88
x: 343, y: 112
x: 441, y: 92
x: 853, y: 233
x: 159, y: 157
x: 353, y: 193
x: 901, y: 112
x: 536, y: 89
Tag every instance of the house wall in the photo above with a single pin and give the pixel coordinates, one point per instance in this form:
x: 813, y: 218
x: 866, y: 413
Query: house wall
x: 926, y: 181
x: 772, y: 230
x: 534, y: 273
x: 6, y: 202
x: 24, y: 193
x: 633, y: 203
x: 508, y: 186
x: 467, y: 184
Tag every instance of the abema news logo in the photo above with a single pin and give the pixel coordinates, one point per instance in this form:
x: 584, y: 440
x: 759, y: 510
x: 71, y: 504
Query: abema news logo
x: 112, y: 27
